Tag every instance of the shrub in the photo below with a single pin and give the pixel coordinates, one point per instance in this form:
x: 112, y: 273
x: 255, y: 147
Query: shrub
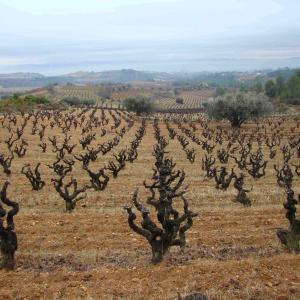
x: 239, y: 107
x: 36, y: 100
x: 179, y: 100
x: 19, y: 103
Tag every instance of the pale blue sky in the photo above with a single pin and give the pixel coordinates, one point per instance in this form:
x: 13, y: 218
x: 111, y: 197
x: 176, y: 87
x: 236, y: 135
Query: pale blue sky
x: 63, y: 7
x: 168, y: 35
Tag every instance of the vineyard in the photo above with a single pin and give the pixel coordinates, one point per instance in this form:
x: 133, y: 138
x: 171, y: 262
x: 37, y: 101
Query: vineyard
x: 113, y: 97
x: 83, y: 93
x: 103, y: 204
x: 192, y: 100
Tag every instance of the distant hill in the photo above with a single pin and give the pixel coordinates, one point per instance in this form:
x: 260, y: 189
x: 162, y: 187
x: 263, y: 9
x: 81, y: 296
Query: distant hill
x: 121, y: 76
x: 118, y: 76
x: 29, y: 76
x: 229, y: 79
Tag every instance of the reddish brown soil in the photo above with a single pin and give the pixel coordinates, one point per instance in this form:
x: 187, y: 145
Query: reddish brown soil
x: 232, y: 252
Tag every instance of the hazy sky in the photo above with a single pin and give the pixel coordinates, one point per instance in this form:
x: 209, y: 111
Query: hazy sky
x: 61, y: 36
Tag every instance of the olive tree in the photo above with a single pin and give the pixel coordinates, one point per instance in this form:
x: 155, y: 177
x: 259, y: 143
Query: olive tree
x: 239, y: 107
x: 139, y: 105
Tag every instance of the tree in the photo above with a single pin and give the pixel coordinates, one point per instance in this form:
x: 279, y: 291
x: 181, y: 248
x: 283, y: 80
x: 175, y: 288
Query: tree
x: 280, y: 85
x: 15, y: 96
x: 239, y: 107
x: 258, y: 88
x: 220, y: 91
x: 270, y: 89
x: 243, y: 88
x: 139, y: 105
x: 292, y: 91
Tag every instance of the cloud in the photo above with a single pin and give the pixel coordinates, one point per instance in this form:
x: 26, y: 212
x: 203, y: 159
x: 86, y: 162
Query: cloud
x: 159, y: 33
x: 150, y: 20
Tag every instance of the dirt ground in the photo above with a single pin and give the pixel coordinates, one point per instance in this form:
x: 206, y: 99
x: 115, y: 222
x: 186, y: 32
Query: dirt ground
x: 232, y: 252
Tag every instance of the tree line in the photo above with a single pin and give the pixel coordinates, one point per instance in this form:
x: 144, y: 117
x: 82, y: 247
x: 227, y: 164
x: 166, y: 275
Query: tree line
x: 287, y: 90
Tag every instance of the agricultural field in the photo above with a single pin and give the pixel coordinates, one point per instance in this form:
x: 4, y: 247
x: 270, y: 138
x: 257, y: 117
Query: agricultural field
x: 4, y: 91
x: 191, y: 100
x: 113, y: 96
x: 81, y: 246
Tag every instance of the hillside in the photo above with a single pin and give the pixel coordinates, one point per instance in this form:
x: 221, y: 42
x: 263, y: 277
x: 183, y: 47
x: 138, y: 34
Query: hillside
x: 224, y: 79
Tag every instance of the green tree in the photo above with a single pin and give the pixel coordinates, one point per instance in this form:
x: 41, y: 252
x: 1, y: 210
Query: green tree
x: 139, y: 105
x: 15, y: 96
x: 239, y: 107
x: 280, y: 85
x: 258, y: 88
x: 243, y: 88
x: 291, y: 92
x: 220, y: 91
x: 270, y: 89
